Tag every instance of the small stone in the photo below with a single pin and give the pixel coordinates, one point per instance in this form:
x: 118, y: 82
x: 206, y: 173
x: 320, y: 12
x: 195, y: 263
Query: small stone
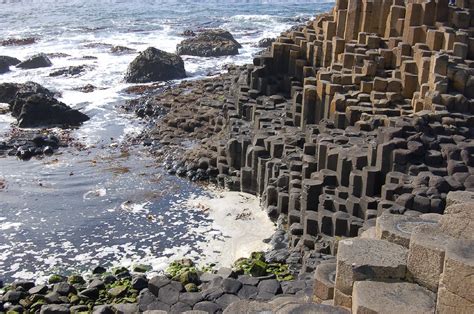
x: 92, y: 293
x: 42, y: 289
x: 206, y: 306
x: 76, y: 280
x: 271, y: 286
x: 54, y: 309
x: 226, y: 299
x: 117, y: 292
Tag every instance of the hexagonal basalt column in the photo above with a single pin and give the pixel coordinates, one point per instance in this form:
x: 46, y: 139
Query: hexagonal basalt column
x: 367, y: 259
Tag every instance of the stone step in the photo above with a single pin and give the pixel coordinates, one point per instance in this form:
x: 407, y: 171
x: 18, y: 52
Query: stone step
x: 395, y: 297
x: 366, y: 259
x: 324, y: 278
x: 398, y: 228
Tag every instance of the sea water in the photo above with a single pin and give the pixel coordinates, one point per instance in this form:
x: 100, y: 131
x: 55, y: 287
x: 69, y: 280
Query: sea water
x: 107, y: 203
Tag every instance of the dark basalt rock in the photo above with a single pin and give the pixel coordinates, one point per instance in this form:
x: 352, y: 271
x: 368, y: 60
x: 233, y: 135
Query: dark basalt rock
x: 70, y: 71
x: 154, y: 65
x: 33, y: 105
x: 36, y: 61
x: 9, y: 60
x: 4, y: 67
x: 121, y: 50
x: 210, y: 43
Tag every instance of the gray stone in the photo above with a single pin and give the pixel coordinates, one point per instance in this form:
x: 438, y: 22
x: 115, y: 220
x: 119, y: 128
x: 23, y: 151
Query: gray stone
x: 54, y: 297
x: 145, y: 298
x: 324, y: 278
x: 63, y: 288
x: 91, y: 293
x: 248, y: 280
x: 42, y: 289
x: 247, y: 307
x: 293, y: 286
x: 103, y: 309
x: 54, y: 309
x: 168, y: 294
x: 311, y: 308
x: 190, y: 298
x: 126, y: 308
x: 365, y: 259
x: 271, y: 286
x: 398, y: 228
x: 231, y: 285
x: 34, y: 62
x: 12, y: 296
x: 226, y: 299
x: 248, y: 292
x: 180, y: 307
x: 155, y: 283
x: 158, y: 306
x: 397, y: 297
x: 206, y: 306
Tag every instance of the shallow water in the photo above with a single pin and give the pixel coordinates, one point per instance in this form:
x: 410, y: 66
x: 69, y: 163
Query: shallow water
x: 110, y: 205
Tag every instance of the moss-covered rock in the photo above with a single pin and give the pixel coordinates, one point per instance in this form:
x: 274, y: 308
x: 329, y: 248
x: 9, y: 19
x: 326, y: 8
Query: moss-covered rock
x: 189, y: 276
x: 141, y: 268
x: 191, y: 287
x: 56, y: 279
x: 118, y: 291
x: 76, y: 280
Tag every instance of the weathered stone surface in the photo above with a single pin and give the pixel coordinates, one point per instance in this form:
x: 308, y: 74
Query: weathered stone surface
x: 324, y: 278
x: 54, y: 309
x: 382, y: 297
x: 426, y: 255
x: 459, y: 197
x: 246, y: 306
x: 458, y: 221
x: 398, y: 228
x: 154, y: 65
x: 363, y: 259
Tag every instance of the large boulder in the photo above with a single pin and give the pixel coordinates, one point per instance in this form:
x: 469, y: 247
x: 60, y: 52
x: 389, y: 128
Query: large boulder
x: 210, y: 43
x: 33, y: 105
x: 4, y: 67
x: 154, y: 65
x: 9, y: 60
x: 36, y: 61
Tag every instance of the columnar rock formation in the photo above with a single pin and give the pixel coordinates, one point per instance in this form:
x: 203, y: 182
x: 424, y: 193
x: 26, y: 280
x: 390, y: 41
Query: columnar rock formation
x: 365, y: 110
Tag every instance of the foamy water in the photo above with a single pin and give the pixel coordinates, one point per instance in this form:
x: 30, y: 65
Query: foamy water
x: 113, y: 205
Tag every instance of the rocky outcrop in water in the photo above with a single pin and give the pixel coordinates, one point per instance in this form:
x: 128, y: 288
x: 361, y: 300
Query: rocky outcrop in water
x: 36, y: 61
x: 70, y: 71
x: 154, y: 65
x: 33, y: 105
x: 9, y: 60
x: 209, y: 43
x: 265, y: 42
x: 4, y: 67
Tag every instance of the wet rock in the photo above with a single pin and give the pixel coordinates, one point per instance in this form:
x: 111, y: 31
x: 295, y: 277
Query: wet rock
x: 154, y: 65
x: 121, y: 50
x: 227, y: 299
x: 18, y: 41
x: 34, y: 105
x: 210, y: 43
x: 125, y: 308
x: 139, y: 283
x: 103, y: 309
x: 265, y: 42
x: 63, y: 288
x: 190, y: 298
x: 99, y: 270
x: 53, y: 298
x: 10, y: 61
x: 97, y: 284
x: 34, y: 62
x: 271, y: 286
x: 70, y: 71
x: 26, y: 285
x: 231, y: 285
x: 188, y: 33
x: 4, y: 67
x: 92, y: 293
x: 89, y: 88
x: 248, y: 292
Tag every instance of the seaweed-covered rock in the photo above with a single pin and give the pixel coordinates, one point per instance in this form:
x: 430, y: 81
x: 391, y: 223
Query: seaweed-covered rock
x: 154, y: 65
x: 210, y: 43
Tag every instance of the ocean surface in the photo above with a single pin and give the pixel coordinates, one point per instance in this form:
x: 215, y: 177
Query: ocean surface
x: 110, y: 203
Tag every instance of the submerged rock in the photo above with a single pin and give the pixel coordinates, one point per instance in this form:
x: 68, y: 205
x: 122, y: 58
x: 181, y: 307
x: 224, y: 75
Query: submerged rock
x: 154, y: 65
x: 36, y: 61
x: 210, y: 43
x: 33, y: 105
x: 121, y: 50
x: 70, y: 71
